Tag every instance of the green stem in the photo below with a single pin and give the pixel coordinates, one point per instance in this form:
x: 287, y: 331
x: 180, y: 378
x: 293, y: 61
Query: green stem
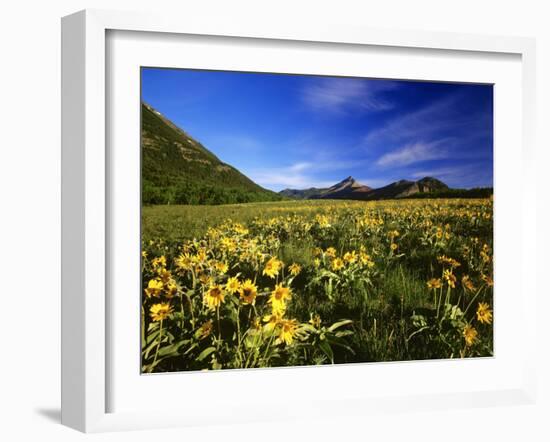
x: 473, y: 299
x: 269, y: 344
x: 143, y: 326
x: 219, y: 328
x: 190, y: 308
x: 239, y: 330
x: 182, y: 311
x: 158, y: 346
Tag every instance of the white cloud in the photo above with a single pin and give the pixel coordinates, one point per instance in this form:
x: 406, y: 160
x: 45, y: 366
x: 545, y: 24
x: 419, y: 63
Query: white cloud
x: 340, y: 95
x: 299, y: 167
x: 282, y: 179
x: 296, y: 176
x: 413, y: 153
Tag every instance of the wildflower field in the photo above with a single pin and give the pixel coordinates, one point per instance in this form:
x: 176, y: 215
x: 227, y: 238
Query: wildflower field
x: 315, y: 282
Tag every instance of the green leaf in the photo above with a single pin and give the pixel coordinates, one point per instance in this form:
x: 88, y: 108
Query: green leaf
x: 343, y: 333
x: 325, y: 347
x: 171, y: 350
x: 205, y: 353
x: 339, y: 324
x: 152, y: 336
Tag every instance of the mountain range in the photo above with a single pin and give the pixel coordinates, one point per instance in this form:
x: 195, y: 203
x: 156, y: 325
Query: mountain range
x: 350, y: 189
x: 178, y: 169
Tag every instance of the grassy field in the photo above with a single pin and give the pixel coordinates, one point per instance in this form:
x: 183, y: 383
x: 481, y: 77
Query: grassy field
x: 315, y: 282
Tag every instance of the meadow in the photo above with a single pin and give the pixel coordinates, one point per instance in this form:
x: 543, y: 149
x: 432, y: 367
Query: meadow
x: 316, y: 282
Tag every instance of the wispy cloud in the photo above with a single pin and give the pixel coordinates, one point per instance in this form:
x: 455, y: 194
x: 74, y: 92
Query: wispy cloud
x: 342, y: 95
x: 414, y: 153
x: 421, y: 124
x: 278, y: 179
x: 299, y: 175
x: 429, y: 134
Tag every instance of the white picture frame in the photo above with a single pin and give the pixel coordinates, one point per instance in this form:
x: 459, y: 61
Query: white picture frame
x: 85, y: 212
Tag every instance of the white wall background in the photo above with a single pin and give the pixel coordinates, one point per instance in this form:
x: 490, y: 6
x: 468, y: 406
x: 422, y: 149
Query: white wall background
x: 30, y: 215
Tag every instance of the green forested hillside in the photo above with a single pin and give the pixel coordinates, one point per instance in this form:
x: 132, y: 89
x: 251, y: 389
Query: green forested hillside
x: 177, y: 169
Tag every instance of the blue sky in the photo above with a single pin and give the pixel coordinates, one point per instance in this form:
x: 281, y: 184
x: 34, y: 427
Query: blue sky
x: 295, y: 131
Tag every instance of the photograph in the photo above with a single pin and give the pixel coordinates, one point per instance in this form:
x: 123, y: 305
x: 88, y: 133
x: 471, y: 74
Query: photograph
x: 292, y: 220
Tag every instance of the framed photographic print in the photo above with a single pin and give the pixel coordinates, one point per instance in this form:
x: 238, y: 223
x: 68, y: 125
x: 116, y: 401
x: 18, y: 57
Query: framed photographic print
x: 241, y: 271
x: 251, y: 209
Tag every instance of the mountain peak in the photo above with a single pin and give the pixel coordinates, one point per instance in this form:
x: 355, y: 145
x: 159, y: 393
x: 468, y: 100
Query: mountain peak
x: 348, y: 180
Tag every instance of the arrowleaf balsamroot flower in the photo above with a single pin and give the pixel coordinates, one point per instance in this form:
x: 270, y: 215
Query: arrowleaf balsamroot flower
x: 331, y: 252
x: 470, y: 335
x: 278, y: 298
x: 248, y: 292
x: 450, y: 278
x: 434, y: 283
x: 272, y: 267
x: 337, y: 264
x: 161, y: 311
x: 154, y: 288
x: 350, y: 257
x: 295, y: 269
x: 484, y: 313
x: 287, y: 331
x: 232, y: 285
x: 214, y: 296
x: 273, y: 320
x: 467, y: 283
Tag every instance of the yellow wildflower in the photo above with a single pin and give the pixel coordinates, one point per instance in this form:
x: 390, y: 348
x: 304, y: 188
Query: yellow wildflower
x: 164, y: 275
x: 279, y: 296
x: 272, y: 320
x: 221, y: 267
x: 287, y: 331
x: 154, y: 287
x: 205, y: 279
x: 171, y: 288
x: 450, y: 278
x: 484, y: 313
x: 470, y: 335
x: 295, y: 269
x: 434, y: 283
x: 232, y: 285
x: 272, y: 267
x: 159, y: 262
x: 248, y: 292
x: 160, y: 311
x: 337, y: 264
x: 488, y: 280
x: 449, y: 261
x: 350, y: 257
x: 205, y: 329
x: 183, y: 262
x: 214, y: 296
x: 467, y: 283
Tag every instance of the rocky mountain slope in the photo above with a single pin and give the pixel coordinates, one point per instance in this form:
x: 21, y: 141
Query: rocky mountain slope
x: 178, y: 169
x: 353, y: 190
